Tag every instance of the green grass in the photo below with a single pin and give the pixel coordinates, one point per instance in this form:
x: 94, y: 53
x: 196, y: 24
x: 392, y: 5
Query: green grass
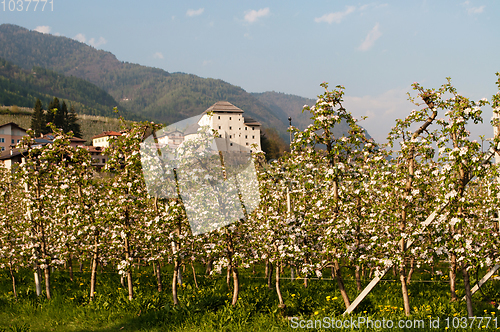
x: 208, y: 308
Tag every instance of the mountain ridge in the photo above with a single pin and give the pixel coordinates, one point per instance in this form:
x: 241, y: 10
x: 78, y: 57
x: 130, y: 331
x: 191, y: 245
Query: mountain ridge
x: 149, y: 93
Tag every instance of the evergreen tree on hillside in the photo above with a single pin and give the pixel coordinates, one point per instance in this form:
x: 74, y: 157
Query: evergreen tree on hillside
x: 54, y: 106
x: 72, y: 123
x: 38, y: 123
x: 60, y: 116
x: 272, y: 144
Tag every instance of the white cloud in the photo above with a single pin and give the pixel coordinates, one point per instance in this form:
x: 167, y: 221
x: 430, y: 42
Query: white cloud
x: 253, y: 15
x: 92, y: 42
x: 193, y: 12
x: 100, y: 42
x: 57, y: 34
x: 43, y: 29
x: 158, y: 55
x: 81, y: 38
x: 207, y: 62
x: 370, y: 39
x: 473, y: 10
x: 336, y: 16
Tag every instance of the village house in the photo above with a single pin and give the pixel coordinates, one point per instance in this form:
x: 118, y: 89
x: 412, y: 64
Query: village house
x: 10, y: 134
x: 99, y: 143
x: 102, y: 140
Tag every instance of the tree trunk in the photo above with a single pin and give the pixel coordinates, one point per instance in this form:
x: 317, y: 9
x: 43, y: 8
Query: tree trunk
x: 412, y: 269
x: 357, y: 274
x: 236, y: 284
x: 174, y: 282
x: 38, y: 285
x: 93, y: 271
x: 158, y: 276
x: 208, y: 267
x: 468, y: 293
x: 228, y: 276
x: 281, y: 304
x: 404, y: 290
x: 13, y: 279
x: 179, y: 275
x: 47, y: 280
x: 70, y: 266
x: 270, y: 275
x: 453, y: 275
x: 340, y: 283
x: 194, y: 275
x: 130, y: 285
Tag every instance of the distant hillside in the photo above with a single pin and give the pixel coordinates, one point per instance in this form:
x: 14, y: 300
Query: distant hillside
x: 22, y: 87
x: 151, y: 93
x: 292, y: 106
x: 286, y: 105
x: 90, y: 125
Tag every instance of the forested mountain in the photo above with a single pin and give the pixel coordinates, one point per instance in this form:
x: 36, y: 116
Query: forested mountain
x: 22, y: 87
x: 291, y: 106
x: 286, y: 105
x: 151, y: 93
x: 145, y: 92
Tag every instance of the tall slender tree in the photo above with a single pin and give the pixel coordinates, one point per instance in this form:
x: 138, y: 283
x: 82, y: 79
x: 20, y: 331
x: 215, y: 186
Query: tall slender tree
x: 61, y: 116
x: 72, y: 123
x: 38, y: 118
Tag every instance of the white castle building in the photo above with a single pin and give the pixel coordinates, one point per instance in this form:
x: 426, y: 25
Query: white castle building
x: 236, y: 132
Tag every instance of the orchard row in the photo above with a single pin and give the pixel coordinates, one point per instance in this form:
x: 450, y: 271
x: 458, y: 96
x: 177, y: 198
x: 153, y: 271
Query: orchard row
x: 431, y: 194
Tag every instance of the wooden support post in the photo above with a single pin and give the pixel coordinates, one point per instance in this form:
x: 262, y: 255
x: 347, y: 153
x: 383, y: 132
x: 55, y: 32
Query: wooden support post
x: 483, y: 280
x: 378, y: 277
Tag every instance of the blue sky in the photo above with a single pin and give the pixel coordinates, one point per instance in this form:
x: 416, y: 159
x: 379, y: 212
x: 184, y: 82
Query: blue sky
x: 375, y: 49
